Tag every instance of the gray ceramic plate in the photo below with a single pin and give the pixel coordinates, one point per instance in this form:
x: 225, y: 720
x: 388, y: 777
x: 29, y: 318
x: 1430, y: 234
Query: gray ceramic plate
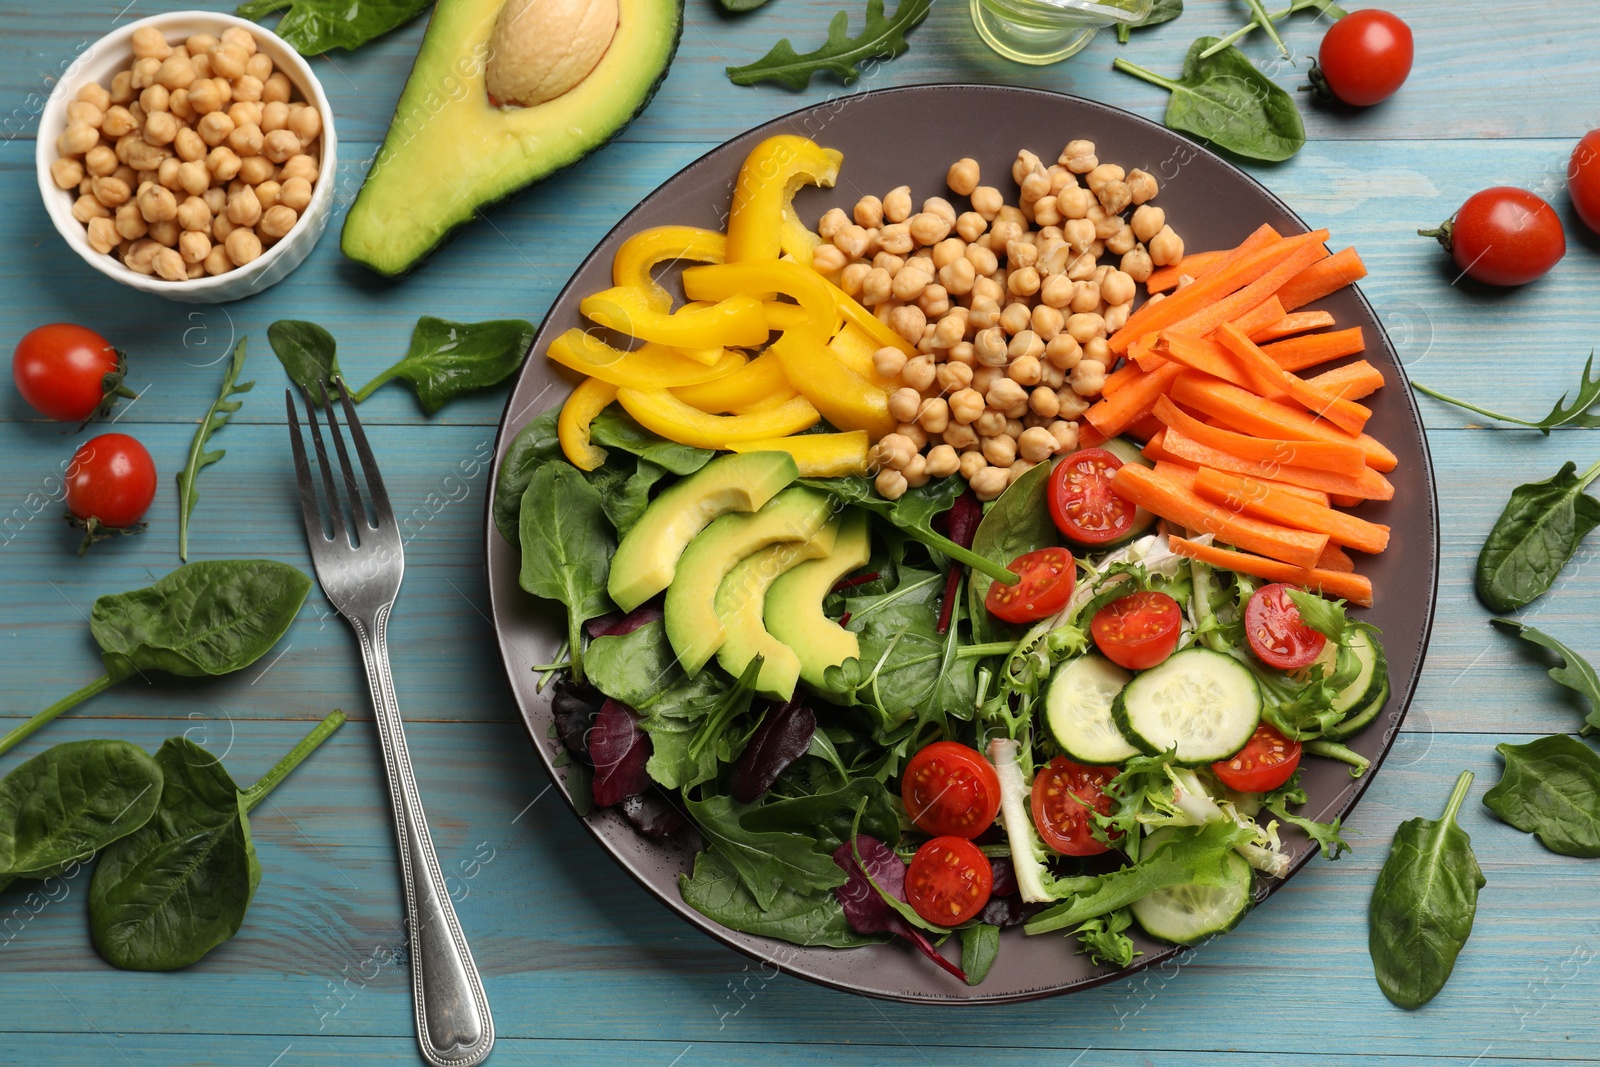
x: 909, y: 137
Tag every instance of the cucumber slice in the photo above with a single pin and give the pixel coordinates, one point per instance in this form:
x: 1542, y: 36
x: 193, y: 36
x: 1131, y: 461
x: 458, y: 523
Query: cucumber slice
x: 1361, y: 716
x: 1185, y: 914
x: 1205, y: 703
x: 1078, y: 710
x: 1373, y: 676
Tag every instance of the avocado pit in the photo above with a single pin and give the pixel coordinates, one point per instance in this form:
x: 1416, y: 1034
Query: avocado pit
x: 541, y: 49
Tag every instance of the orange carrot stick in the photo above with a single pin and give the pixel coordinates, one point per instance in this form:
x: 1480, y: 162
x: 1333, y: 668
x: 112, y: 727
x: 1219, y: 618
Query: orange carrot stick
x: 1200, y: 263
x: 1264, y: 502
x: 1318, y: 280
x: 1293, y: 323
x: 1088, y: 436
x: 1319, y: 455
x: 1342, y: 490
x: 1334, y: 558
x: 1248, y: 413
x: 1345, y: 414
x: 1351, y: 381
x: 1298, y: 353
x: 1185, y: 475
x: 1226, y: 308
x: 1261, y: 316
x: 1113, y: 414
x: 1206, y: 356
x: 1347, y: 586
x: 1146, y: 428
x: 1120, y: 377
x: 1171, y: 501
x: 1215, y: 287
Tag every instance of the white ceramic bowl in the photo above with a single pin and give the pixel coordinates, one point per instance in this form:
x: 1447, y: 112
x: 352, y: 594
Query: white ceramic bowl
x: 113, y: 53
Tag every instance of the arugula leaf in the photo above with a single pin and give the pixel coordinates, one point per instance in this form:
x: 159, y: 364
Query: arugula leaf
x: 308, y: 353
x: 1327, y: 7
x: 534, y: 445
x: 766, y: 861
x: 716, y: 891
x: 1551, y: 789
x: 314, y: 26
x: 567, y: 547
x: 1324, y: 616
x: 1160, y: 11
x: 1103, y: 940
x: 1423, y: 904
x: 1223, y: 98
x: 217, y: 416
x: 1541, y: 527
x: 1562, y: 414
x: 616, y: 428
x: 980, y: 945
x: 1574, y: 671
x: 880, y: 38
x: 448, y: 358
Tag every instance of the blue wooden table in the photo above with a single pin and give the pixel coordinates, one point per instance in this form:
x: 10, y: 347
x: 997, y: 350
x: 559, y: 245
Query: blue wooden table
x: 581, y: 965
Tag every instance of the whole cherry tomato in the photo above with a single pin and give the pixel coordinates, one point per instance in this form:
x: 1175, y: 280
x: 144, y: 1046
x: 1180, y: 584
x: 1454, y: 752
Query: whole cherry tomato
x: 110, y: 484
x: 1583, y: 179
x: 1364, y: 58
x: 68, y: 372
x: 1503, y: 236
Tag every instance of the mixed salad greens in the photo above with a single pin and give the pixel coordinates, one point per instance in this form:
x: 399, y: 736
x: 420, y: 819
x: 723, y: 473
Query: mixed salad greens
x: 870, y: 741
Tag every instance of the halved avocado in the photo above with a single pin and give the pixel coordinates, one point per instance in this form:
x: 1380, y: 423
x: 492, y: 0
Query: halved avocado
x: 451, y: 152
x: 794, y: 602
x: 693, y: 626
x: 740, y: 601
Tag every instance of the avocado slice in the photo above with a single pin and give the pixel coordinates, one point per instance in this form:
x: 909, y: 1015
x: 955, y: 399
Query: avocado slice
x: 741, y: 600
x: 693, y: 626
x: 451, y: 151
x: 794, y: 602
x: 648, y: 556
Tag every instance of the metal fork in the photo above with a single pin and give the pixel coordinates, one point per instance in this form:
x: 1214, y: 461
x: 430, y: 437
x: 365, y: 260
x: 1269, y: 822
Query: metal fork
x: 360, y: 561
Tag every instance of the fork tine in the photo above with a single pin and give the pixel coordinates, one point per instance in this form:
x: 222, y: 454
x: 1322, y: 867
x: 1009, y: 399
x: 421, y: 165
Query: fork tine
x: 369, y: 463
x: 335, y: 505
x: 358, y: 510
x: 302, y: 472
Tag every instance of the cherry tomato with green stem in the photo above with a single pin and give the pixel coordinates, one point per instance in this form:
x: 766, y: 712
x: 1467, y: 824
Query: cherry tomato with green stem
x: 110, y: 484
x: 1503, y: 236
x: 1364, y: 59
x: 68, y: 373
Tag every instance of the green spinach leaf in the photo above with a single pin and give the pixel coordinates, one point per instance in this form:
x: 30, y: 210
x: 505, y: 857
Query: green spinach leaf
x: 881, y: 38
x: 1224, y: 99
x: 71, y: 801
x: 617, y: 429
x: 1562, y: 414
x: 1160, y: 11
x: 173, y: 890
x: 716, y: 891
x: 1541, y: 527
x: 1574, y: 671
x: 828, y: 815
x: 567, y: 545
x: 1551, y: 789
x: 222, y: 408
x: 207, y: 618
x: 448, y: 358
x: 308, y: 354
x: 766, y: 861
x: 912, y: 513
x: 534, y: 445
x: 1423, y: 904
x: 315, y: 26
x: 980, y: 944
x: 1016, y: 523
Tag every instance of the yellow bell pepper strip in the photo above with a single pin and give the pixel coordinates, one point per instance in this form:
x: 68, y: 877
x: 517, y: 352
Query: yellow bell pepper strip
x: 858, y: 316
x: 844, y: 397
x: 650, y: 366
x: 818, y: 455
x: 767, y: 403
x: 673, y: 419
x: 762, y: 377
x: 639, y: 254
x: 781, y: 316
x: 807, y: 288
x: 736, y: 322
x: 572, y: 428
x: 763, y: 222
x: 855, y: 350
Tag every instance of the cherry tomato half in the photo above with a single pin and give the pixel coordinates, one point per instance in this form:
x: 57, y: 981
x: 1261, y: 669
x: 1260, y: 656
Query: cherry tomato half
x: 950, y: 790
x: 1583, y: 179
x: 1277, y: 634
x: 1262, y: 765
x: 1048, y: 577
x: 65, y: 372
x: 1082, y: 504
x: 949, y: 880
x: 1503, y: 236
x: 1364, y: 57
x: 111, y: 478
x: 1138, y: 631
x: 1063, y: 793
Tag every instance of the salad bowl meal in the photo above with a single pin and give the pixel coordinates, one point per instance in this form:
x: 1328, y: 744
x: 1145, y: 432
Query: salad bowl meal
x: 962, y: 544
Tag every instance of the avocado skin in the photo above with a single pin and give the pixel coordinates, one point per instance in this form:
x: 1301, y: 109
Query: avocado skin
x: 350, y: 243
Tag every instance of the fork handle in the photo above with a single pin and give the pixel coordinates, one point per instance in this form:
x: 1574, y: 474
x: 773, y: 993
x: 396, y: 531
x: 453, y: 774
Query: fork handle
x: 454, y: 1027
